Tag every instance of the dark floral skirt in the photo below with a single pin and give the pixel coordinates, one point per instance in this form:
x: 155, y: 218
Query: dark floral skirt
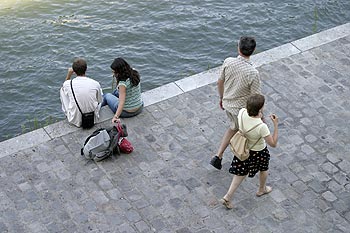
x: 257, y: 161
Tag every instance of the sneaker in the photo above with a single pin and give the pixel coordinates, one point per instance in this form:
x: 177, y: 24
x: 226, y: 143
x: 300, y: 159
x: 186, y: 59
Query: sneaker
x: 216, y: 162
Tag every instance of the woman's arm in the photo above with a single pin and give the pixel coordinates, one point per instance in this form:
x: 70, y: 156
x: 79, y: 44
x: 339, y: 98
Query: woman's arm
x: 122, y: 95
x: 271, y: 140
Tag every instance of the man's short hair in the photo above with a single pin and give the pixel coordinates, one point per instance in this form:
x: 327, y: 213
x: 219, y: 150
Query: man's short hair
x: 254, y: 104
x: 79, y: 66
x: 247, y: 45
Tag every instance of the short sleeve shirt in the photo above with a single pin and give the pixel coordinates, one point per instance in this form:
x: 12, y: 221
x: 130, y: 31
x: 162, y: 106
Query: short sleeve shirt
x: 241, y: 80
x: 133, y: 95
x: 259, y: 133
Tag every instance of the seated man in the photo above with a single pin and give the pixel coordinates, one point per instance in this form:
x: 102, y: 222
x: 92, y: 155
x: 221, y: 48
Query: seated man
x: 87, y: 91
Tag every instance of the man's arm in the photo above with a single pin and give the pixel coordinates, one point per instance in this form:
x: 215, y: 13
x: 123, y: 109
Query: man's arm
x: 99, y: 94
x: 69, y: 73
x: 255, y: 87
x: 220, y: 84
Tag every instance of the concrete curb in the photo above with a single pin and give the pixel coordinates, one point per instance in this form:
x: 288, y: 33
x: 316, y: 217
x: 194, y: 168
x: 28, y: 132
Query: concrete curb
x: 172, y: 89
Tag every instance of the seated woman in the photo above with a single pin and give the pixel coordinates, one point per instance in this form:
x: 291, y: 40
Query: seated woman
x: 125, y: 101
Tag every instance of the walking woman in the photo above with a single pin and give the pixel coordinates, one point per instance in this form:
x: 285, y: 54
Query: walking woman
x: 259, y: 157
x: 125, y: 101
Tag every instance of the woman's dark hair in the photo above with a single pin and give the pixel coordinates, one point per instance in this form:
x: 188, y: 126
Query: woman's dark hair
x: 79, y: 66
x: 247, y: 45
x: 123, y: 71
x: 254, y: 104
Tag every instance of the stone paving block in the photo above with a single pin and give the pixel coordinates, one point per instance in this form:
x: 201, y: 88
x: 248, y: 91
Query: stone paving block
x: 344, y: 166
x: 212, y: 222
x: 3, y: 227
x: 204, y: 231
x: 99, y: 197
x: 329, y: 168
x: 5, y: 202
x: 125, y: 228
x: 264, y: 204
x: 36, y: 227
x: 307, y: 149
x: 183, y: 230
x: 341, y: 178
x: 341, y: 206
x: 334, y: 186
x: 277, y: 195
x: 300, y: 186
x: 55, y: 227
x: 329, y: 196
x: 317, y: 186
x: 322, y: 204
x: 337, y: 220
x: 321, y: 176
x: 142, y: 226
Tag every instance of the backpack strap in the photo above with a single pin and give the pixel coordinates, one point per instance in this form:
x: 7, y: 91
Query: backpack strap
x: 255, y: 143
x: 113, y: 144
x: 120, y: 129
x: 114, y: 135
x: 249, y: 130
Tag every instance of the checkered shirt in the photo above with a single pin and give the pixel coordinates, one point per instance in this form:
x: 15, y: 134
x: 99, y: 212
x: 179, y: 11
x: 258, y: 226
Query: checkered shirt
x: 241, y: 80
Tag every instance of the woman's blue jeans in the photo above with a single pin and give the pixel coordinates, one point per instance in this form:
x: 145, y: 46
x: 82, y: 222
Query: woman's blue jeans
x: 112, y: 100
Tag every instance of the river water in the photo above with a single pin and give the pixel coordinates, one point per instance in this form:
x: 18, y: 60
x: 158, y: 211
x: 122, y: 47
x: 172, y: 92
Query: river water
x: 165, y: 40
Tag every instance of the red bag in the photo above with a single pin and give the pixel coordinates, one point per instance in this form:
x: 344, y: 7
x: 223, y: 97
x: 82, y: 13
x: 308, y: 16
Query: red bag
x: 125, y: 146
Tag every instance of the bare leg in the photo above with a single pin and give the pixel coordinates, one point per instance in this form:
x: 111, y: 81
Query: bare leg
x: 236, y: 181
x: 262, y: 181
x: 263, y: 189
x: 225, y: 141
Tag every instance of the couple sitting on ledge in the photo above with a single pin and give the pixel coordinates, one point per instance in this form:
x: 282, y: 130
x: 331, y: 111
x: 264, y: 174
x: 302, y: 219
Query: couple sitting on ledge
x: 125, y: 101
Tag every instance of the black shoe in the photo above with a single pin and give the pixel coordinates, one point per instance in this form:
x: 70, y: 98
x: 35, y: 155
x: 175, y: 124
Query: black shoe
x: 216, y: 162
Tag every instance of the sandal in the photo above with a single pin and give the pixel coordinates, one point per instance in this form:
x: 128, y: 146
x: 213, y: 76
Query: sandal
x: 267, y: 190
x: 226, y: 203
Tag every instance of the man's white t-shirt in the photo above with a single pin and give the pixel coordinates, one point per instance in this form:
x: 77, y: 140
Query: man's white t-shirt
x: 88, y: 94
x: 259, y: 132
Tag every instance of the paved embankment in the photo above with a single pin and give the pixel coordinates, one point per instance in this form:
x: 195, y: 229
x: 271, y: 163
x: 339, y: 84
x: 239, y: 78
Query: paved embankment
x: 167, y: 184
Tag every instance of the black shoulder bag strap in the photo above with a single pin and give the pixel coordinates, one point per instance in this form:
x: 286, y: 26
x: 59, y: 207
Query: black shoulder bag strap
x: 71, y: 86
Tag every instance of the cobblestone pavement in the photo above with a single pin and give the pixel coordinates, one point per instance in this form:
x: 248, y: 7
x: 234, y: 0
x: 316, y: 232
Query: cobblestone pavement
x: 167, y: 184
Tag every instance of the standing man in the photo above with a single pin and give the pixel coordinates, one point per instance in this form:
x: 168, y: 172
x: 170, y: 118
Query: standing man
x: 87, y: 92
x: 238, y: 80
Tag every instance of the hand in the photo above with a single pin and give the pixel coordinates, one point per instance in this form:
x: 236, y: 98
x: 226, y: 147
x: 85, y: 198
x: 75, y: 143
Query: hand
x: 220, y: 104
x: 274, y: 119
x: 115, y: 119
x: 70, y: 70
x: 69, y: 73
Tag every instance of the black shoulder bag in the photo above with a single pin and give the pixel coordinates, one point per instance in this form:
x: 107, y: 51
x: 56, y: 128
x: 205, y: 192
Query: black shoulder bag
x: 86, y: 118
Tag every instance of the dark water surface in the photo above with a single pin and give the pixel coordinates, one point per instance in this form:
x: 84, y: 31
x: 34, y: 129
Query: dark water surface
x: 165, y: 40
